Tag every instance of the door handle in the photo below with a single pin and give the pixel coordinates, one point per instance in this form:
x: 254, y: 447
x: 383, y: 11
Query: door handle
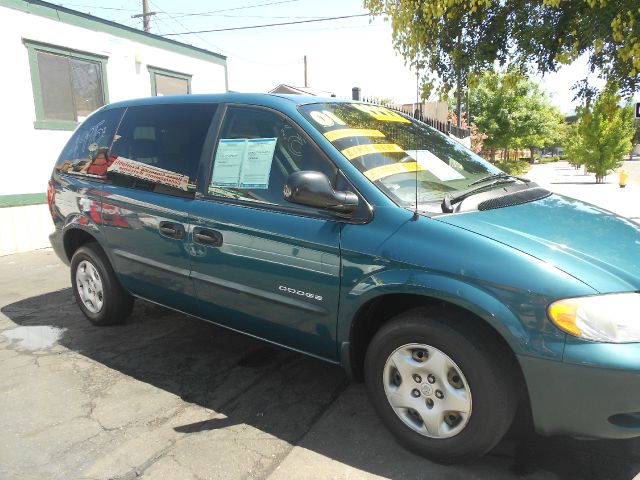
x: 205, y: 236
x: 170, y: 229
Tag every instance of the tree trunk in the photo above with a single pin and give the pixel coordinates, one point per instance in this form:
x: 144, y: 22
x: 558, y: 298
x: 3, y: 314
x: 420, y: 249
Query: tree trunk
x: 459, y: 106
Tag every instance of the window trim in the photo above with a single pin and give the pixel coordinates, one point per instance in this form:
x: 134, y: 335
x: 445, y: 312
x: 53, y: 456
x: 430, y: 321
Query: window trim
x: 32, y: 48
x: 167, y: 73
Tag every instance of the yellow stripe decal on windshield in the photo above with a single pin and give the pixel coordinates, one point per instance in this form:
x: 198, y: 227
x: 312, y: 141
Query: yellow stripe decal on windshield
x: 334, y: 135
x: 367, y: 148
x: 391, y: 169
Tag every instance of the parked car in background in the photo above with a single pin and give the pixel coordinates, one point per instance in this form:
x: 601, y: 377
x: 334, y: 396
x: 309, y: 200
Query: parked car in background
x: 359, y: 236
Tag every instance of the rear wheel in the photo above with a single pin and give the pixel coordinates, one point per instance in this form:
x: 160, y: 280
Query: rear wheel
x: 96, y: 288
x: 442, y: 385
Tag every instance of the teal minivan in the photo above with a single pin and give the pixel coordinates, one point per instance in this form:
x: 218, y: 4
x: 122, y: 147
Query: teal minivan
x: 352, y: 233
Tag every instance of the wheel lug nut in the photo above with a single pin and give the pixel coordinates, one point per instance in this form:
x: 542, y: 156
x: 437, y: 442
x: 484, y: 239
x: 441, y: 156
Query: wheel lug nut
x: 439, y: 394
x: 431, y: 379
x: 415, y: 393
x: 429, y: 403
x: 417, y: 378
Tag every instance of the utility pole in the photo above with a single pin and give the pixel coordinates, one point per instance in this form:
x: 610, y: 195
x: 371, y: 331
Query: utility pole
x: 305, y: 71
x: 145, y: 15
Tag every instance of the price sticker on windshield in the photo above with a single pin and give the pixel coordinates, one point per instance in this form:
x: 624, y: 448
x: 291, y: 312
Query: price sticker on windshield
x: 381, y: 113
x: 326, y: 118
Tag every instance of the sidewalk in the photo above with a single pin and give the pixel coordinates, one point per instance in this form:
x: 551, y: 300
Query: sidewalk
x: 562, y: 178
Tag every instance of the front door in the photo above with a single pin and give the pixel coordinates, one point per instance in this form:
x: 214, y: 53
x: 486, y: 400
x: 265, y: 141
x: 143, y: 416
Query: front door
x: 260, y: 264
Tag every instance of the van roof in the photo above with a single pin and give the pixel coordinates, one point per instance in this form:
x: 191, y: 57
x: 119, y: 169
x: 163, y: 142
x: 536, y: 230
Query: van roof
x: 266, y: 99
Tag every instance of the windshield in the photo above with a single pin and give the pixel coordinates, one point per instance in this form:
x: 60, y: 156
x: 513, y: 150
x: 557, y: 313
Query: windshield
x: 393, y: 151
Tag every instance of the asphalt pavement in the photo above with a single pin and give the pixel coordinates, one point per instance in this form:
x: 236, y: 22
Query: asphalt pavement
x: 167, y: 396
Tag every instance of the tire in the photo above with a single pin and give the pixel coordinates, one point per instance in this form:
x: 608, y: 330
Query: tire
x: 452, y: 370
x: 96, y: 288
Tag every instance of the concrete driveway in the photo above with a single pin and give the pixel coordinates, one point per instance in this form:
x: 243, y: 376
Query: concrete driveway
x: 562, y: 178
x: 166, y: 396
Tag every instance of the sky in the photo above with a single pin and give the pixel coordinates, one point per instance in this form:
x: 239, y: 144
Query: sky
x: 341, y: 54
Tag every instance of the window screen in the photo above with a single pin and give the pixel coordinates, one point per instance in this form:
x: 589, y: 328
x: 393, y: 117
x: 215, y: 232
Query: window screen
x: 158, y: 147
x: 257, y: 151
x: 168, y: 85
x: 71, y: 87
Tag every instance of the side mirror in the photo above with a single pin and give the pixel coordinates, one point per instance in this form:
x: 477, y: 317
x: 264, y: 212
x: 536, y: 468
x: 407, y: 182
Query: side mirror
x: 314, y: 190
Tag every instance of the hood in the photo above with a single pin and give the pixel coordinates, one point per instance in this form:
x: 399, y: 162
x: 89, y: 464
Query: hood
x: 593, y: 245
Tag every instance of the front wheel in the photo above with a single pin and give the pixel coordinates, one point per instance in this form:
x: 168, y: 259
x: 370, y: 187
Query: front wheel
x: 442, y: 385
x: 96, y: 288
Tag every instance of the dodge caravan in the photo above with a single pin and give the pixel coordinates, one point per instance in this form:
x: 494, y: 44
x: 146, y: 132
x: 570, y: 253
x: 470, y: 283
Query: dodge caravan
x: 352, y: 233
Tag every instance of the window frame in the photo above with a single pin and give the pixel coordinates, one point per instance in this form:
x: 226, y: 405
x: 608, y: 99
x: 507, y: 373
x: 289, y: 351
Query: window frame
x: 42, y: 123
x: 167, y: 73
x: 207, y: 163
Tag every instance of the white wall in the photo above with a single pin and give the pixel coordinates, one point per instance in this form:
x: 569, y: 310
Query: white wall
x: 24, y: 228
x: 28, y: 155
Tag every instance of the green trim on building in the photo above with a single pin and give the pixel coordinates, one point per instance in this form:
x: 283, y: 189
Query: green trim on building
x: 167, y: 73
x: 79, y: 19
x: 23, y: 199
x: 41, y: 122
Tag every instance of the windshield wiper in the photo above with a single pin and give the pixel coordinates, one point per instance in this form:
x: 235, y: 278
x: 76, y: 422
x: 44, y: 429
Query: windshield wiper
x: 493, y: 176
x: 499, y: 178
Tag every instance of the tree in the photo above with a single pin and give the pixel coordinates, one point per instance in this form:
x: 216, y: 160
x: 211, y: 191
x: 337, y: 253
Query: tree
x: 513, y: 112
x: 603, y: 134
x: 454, y: 38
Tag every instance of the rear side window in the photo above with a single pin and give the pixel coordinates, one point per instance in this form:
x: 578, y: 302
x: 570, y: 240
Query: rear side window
x: 87, y: 151
x: 158, y: 147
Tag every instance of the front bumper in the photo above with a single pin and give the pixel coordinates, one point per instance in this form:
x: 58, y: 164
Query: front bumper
x: 586, y: 398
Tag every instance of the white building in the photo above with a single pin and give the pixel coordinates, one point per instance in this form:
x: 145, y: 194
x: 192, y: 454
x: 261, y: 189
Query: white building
x: 63, y: 65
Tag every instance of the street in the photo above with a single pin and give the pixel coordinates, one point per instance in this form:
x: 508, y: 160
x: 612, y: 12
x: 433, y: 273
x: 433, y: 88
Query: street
x: 167, y: 396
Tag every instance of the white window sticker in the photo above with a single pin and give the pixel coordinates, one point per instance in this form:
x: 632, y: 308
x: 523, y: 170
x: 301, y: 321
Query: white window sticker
x: 256, y: 166
x: 243, y: 163
x: 228, y: 162
x: 433, y: 164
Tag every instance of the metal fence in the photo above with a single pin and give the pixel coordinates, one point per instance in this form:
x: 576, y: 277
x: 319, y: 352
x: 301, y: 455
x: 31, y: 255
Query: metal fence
x: 444, y: 127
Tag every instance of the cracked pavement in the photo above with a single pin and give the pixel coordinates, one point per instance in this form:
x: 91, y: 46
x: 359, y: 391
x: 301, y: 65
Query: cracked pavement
x: 167, y: 396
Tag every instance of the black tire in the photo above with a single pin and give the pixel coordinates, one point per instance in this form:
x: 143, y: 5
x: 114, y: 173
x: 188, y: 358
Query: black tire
x: 116, y: 303
x: 487, y: 369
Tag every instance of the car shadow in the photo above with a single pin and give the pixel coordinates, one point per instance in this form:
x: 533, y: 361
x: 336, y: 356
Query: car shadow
x: 285, y: 394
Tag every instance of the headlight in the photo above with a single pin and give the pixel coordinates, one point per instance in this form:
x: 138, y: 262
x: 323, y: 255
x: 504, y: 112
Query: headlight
x: 603, y: 318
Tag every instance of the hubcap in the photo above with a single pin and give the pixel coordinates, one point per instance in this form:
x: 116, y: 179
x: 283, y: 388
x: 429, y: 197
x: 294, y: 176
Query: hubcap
x: 427, y: 390
x: 89, y: 286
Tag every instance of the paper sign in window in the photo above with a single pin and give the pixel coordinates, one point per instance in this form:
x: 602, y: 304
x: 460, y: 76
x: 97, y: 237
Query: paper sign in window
x: 256, y: 166
x: 243, y: 163
x: 433, y: 164
x: 126, y: 166
x: 228, y: 162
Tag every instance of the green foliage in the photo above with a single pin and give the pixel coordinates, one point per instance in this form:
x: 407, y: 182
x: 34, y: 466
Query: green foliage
x: 513, y: 112
x: 452, y: 38
x: 602, y: 136
x: 513, y: 167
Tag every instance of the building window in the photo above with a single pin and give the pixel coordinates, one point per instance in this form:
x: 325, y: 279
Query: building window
x: 166, y: 82
x: 67, y: 85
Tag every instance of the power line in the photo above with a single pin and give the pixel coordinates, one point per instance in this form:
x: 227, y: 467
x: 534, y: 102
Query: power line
x: 184, y: 26
x: 99, y: 8
x: 324, y: 19
x: 257, y: 5
x: 187, y: 14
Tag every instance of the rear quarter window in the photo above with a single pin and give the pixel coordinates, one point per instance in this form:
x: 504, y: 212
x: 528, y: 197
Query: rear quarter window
x: 87, y: 151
